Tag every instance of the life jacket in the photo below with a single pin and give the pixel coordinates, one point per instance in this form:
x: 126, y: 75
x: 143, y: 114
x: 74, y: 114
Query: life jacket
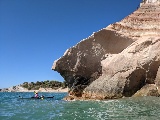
x: 36, y: 95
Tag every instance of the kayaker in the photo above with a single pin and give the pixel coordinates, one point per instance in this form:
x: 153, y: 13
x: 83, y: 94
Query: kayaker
x: 36, y: 94
x: 42, y: 97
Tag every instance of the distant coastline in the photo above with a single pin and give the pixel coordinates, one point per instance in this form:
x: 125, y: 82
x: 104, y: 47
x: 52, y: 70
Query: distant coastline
x: 22, y: 89
x: 43, y: 86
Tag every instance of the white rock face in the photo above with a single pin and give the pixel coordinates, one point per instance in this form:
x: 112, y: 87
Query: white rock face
x: 151, y: 1
x: 118, y: 60
x: 17, y: 88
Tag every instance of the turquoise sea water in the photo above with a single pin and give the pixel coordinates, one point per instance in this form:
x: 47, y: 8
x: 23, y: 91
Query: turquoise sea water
x: 12, y: 108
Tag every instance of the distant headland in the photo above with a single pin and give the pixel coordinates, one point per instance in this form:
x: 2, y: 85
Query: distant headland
x: 43, y: 86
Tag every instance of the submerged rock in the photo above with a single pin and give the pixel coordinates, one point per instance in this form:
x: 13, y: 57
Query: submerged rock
x: 118, y: 60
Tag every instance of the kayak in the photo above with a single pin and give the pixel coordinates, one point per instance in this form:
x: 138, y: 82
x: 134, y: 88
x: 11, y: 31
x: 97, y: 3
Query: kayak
x: 36, y: 97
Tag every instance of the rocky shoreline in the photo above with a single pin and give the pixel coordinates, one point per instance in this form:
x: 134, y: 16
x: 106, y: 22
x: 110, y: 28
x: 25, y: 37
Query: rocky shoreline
x: 19, y: 88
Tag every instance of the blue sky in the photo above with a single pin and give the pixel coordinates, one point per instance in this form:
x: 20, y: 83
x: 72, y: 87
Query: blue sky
x: 34, y: 33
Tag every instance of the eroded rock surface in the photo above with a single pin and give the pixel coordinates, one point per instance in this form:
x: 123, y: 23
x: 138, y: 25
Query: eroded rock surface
x: 118, y: 60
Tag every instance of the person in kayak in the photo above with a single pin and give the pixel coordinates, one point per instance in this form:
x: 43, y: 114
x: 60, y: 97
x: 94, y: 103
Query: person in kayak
x: 36, y: 94
x: 42, y: 97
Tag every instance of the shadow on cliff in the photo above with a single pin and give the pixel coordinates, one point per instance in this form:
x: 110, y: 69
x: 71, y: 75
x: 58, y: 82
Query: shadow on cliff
x: 141, y: 77
x: 78, y: 83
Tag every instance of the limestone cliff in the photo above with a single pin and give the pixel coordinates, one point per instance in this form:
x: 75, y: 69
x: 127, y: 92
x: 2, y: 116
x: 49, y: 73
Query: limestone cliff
x: 119, y: 60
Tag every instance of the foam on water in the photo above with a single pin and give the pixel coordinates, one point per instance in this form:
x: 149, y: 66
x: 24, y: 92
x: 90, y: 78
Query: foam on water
x: 12, y: 108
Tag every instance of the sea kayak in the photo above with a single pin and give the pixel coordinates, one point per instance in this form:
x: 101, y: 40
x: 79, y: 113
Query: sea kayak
x: 36, y: 97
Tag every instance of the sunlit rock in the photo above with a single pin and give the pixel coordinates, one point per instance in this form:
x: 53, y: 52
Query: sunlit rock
x: 118, y: 60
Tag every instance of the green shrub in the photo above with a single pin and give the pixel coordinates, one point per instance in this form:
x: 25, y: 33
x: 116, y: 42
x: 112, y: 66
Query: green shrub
x: 44, y: 84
